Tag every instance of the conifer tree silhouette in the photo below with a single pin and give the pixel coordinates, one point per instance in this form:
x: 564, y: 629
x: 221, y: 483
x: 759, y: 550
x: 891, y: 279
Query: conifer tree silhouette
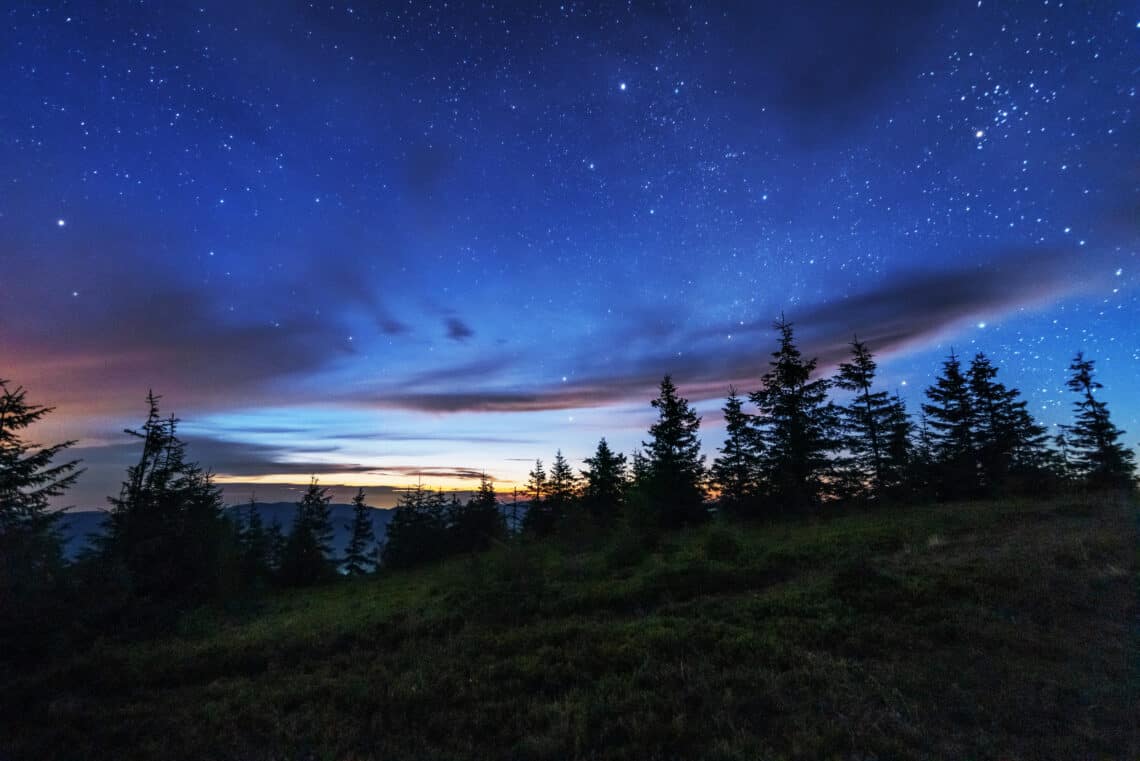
x: 603, y: 492
x: 31, y: 557
x: 736, y: 472
x: 1098, y: 456
x: 358, y: 556
x: 675, y: 465
x: 798, y: 426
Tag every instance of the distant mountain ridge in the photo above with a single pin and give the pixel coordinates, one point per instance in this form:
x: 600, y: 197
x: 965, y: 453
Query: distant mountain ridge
x: 79, y: 526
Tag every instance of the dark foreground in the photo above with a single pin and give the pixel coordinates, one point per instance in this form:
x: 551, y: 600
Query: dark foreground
x: 1003, y: 630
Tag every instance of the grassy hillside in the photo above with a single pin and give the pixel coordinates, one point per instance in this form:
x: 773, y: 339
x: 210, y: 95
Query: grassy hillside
x: 997, y: 630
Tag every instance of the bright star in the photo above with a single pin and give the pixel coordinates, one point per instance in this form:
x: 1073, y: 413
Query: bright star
x: 979, y: 133
x: 622, y: 86
x: 60, y: 222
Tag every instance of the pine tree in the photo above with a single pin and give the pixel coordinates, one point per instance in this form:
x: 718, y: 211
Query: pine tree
x: 479, y: 522
x: 562, y: 489
x: 1098, y: 456
x: 31, y: 558
x: 540, y: 518
x: 736, y: 473
x: 359, y: 554
x: 308, y: 556
x: 675, y: 463
x: 950, y: 417
x: 797, y: 425
x: 166, y: 528
x: 900, y: 456
x: 603, y: 492
x: 1008, y: 440
x: 254, y: 544
x: 275, y: 541
x: 865, y: 422
x: 417, y: 532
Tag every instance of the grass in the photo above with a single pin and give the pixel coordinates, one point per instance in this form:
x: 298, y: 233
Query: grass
x: 1000, y: 630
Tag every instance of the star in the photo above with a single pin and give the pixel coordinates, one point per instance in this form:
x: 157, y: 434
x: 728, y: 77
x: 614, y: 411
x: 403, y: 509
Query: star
x: 61, y: 223
x: 622, y: 86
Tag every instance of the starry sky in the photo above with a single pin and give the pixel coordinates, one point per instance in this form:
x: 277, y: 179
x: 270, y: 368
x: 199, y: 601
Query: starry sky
x: 382, y: 242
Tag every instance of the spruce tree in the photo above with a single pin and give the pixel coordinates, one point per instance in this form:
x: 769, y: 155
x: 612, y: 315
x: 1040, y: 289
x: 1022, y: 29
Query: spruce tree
x: 736, y: 472
x: 1099, y: 458
x: 358, y: 558
x: 31, y: 558
x: 417, y: 532
x: 865, y: 421
x: 479, y: 522
x: 308, y: 557
x: 275, y: 541
x: 603, y: 492
x: 797, y: 426
x: 166, y: 528
x: 254, y: 544
x: 950, y: 418
x: 540, y: 517
x: 562, y: 488
x: 1009, y: 442
x: 675, y: 464
x: 900, y: 454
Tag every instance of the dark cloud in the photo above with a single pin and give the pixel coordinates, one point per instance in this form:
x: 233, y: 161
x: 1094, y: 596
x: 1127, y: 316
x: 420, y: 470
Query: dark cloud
x: 106, y: 466
x: 412, y: 471
x: 390, y: 326
x: 457, y: 329
x: 906, y: 310
x: 821, y: 63
x: 173, y: 341
x: 458, y: 438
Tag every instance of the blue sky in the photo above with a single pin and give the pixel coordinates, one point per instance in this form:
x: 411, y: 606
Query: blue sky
x: 426, y: 241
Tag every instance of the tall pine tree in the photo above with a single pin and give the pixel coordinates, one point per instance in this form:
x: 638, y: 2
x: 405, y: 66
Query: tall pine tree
x: 254, y: 545
x: 949, y: 415
x: 797, y: 425
x: 735, y: 474
x: 562, y: 488
x: 603, y: 492
x: 866, y: 419
x: 31, y: 558
x: 479, y: 522
x: 540, y: 517
x: 675, y: 465
x: 901, y: 459
x: 417, y: 532
x: 360, y: 553
x: 166, y: 529
x: 1011, y: 445
x: 1099, y: 457
x: 308, y: 557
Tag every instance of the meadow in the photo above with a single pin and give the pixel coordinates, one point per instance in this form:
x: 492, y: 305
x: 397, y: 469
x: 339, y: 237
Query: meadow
x: 983, y: 630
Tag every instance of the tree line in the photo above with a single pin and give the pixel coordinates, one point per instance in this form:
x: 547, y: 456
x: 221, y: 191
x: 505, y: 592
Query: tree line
x: 169, y: 545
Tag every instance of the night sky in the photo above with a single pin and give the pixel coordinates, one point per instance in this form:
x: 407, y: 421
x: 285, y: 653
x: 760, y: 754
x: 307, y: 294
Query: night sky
x: 389, y: 241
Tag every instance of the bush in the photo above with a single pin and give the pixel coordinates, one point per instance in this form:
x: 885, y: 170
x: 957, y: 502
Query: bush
x: 627, y: 550
x: 720, y: 545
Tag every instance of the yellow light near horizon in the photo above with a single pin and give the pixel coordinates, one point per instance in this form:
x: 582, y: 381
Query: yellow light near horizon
x: 365, y: 480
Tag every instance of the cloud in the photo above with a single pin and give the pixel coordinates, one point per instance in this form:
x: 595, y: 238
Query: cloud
x: 904, y: 311
x: 173, y: 341
x: 457, y: 330
x: 825, y: 62
x: 233, y: 460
